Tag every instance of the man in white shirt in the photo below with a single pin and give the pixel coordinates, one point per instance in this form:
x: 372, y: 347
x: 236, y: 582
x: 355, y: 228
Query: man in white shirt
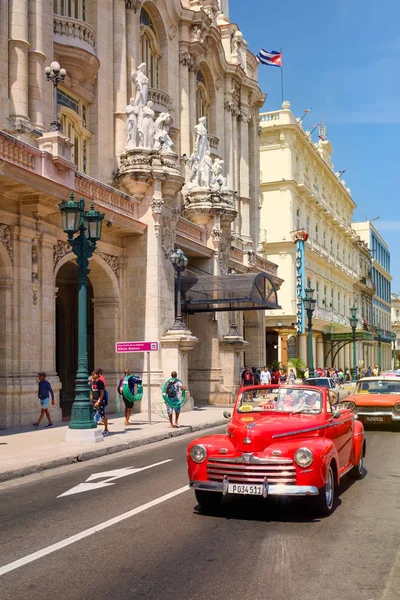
x: 265, y: 378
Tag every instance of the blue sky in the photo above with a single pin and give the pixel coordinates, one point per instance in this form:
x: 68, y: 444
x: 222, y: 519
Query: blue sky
x: 342, y: 59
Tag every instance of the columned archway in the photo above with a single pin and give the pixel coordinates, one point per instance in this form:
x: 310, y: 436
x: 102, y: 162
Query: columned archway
x: 103, y: 324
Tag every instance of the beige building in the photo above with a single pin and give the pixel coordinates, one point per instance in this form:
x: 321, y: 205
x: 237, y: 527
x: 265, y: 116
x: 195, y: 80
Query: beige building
x: 395, y: 314
x: 300, y: 191
x: 154, y: 196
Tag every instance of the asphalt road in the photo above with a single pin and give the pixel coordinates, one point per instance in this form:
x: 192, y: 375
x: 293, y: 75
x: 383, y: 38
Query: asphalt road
x: 248, y: 549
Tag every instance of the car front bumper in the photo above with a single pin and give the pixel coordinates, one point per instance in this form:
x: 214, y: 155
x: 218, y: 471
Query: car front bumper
x: 386, y: 415
x: 272, y: 489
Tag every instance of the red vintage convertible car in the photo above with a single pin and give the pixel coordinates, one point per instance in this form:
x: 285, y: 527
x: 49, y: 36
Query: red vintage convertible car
x: 281, y: 441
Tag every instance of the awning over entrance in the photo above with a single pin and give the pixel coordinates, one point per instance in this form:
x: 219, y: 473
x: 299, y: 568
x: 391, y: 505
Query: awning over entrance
x: 247, y: 291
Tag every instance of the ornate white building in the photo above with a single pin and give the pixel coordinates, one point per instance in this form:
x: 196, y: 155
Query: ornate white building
x: 128, y: 144
x: 300, y: 191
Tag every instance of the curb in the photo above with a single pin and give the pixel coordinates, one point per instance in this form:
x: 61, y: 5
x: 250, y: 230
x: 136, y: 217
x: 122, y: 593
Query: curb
x: 98, y: 453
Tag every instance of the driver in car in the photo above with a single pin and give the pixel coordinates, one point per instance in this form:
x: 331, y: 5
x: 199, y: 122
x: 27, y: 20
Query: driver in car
x: 289, y: 401
x: 312, y: 401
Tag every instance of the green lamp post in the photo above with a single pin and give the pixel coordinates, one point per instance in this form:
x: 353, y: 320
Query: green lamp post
x: 75, y: 219
x: 179, y: 262
x: 394, y: 338
x: 309, y: 306
x: 353, y: 324
x: 379, y: 332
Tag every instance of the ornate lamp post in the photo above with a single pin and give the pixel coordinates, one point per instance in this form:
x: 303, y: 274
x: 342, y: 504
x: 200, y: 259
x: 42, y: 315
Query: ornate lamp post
x: 88, y: 223
x: 379, y: 332
x: 394, y: 338
x: 233, y: 330
x: 309, y: 305
x: 179, y: 262
x: 353, y: 325
x: 55, y: 74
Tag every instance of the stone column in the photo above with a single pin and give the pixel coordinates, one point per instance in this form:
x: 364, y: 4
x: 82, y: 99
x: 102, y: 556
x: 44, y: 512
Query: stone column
x: 228, y: 147
x: 18, y: 47
x: 185, y: 125
x: 303, y: 347
x: 254, y: 332
x: 132, y: 43
x: 348, y: 352
x: 4, y: 107
x: 320, y: 352
x: 192, y: 104
x: 120, y: 78
x: 36, y: 57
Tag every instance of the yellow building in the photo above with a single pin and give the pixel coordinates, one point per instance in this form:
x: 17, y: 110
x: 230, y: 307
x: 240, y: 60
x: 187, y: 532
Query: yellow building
x: 300, y: 191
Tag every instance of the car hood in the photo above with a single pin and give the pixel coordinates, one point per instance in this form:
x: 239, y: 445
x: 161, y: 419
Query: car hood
x: 255, y: 433
x: 374, y: 399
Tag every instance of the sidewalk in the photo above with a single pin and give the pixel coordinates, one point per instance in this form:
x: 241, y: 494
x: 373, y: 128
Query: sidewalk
x: 25, y: 451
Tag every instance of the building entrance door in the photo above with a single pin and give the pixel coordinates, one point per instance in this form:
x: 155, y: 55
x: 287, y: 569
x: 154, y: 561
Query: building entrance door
x: 67, y: 332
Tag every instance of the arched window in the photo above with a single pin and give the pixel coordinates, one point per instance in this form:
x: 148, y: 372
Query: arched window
x: 151, y: 53
x: 73, y: 115
x: 70, y: 8
x: 202, y: 99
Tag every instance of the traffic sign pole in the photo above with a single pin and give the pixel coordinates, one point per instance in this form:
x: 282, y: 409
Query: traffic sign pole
x: 148, y: 389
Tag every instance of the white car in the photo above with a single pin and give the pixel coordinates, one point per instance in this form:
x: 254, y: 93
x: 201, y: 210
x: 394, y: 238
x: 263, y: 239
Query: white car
x: 326, y: 382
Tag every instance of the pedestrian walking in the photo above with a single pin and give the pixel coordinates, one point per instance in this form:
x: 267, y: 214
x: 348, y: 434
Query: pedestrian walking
x: 98, y: 397
x: 265, y: 376
x: 292, y: 376
x: 341, y: 378
x: 45, y: 391
x: 375, y: 371
x: 173, y: 389
x: 130, y: 381
x: 347, y: 376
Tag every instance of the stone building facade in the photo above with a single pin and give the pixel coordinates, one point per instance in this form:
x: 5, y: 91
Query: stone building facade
x: 301, y: 192
x: 198, y: 65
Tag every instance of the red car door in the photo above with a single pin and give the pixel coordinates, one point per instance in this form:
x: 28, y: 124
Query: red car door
x: 340, y: 431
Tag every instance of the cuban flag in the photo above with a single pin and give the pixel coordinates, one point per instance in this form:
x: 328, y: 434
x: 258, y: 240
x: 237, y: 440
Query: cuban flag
x: 273, y: 58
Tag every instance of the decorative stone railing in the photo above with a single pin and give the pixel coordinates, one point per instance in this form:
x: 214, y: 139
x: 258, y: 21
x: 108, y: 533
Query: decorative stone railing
x: 74, y: 29
x: 236, y: 254
x: 160, y: 98
x: 192, y: 231
x: 19, y: 153
x: 275, y: 116
x: 266, y: 265
x: 106, y: 196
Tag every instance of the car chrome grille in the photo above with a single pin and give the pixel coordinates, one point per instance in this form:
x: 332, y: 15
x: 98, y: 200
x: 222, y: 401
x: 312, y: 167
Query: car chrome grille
x: 275, y: 471
x: 373, y: 409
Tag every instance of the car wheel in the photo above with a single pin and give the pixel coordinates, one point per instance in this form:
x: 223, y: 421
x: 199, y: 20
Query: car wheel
x: 325, y: 500
x: 208, y: 499
x: 357, y: 472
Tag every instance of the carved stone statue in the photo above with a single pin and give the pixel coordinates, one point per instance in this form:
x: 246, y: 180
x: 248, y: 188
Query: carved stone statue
x: 141, y: 82
x: 131, y: 124
x: 237, y: 47
x: 146, y: 126
x: 218, y: 180
x: 162, y: 140
x: 202, y: 143
x: 205, y: 170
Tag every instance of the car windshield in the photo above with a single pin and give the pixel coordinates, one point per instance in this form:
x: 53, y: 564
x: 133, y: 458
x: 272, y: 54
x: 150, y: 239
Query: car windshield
x: 319, y: 382
x: 378, y: 386
x: 287, y: 400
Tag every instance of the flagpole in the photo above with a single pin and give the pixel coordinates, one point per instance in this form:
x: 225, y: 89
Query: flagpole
x: 282, y: 75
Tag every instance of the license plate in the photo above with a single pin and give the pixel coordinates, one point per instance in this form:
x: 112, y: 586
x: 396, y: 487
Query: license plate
x: 375, y: 419
x: 239, y: 488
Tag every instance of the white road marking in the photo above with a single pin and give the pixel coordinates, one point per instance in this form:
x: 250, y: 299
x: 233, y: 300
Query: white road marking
x: 84, y: 534
x: 111, y: 477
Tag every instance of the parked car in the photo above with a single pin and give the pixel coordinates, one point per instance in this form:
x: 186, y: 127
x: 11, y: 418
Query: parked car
x: 376, y: 399
x: 326, y: 382
x: 286, y: 441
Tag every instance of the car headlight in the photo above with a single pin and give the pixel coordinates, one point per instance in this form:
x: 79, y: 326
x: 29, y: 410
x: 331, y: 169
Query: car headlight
x: 397, y: 407
x: 198, y: 453
x: 303, y: 457
x: 348, y: 404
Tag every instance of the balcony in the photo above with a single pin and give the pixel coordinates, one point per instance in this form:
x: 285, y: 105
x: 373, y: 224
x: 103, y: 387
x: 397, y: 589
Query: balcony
x: 162, y: 101
x: 73, y: 32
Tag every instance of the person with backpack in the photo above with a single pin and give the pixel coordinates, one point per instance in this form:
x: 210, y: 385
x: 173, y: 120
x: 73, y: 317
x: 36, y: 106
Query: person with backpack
x: 173, y: 389
x: 99, y: 398
x: 130, y: 381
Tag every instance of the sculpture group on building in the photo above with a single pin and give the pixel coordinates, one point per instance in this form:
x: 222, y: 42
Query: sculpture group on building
x: 143, y: 129
x: 204, y: 172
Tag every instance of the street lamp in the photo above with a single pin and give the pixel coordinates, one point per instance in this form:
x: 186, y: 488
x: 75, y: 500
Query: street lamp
x: 353, y: 324
x: 56, y: 75
x: 394, y: 338
x: 233, y: 330
x: 179, y: 262
x: 309, y: 305
x: 88, y: 223
x: 379, y: 332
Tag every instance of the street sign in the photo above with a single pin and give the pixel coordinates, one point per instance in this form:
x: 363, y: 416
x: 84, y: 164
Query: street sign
x: 124, y: 347
x: 110, y: 477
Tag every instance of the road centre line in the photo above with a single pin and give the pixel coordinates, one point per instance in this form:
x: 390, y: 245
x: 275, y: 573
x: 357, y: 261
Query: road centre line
x: 88, y: 532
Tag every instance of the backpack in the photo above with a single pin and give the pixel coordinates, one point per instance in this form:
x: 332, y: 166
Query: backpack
x: 171, y: 390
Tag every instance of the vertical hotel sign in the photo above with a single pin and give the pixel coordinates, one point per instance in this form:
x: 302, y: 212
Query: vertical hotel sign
x: 299, y: 238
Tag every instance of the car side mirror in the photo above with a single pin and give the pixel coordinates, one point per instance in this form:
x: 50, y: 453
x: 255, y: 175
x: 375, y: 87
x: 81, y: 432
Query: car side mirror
x: 336, y: 414
x: 227, y: 414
